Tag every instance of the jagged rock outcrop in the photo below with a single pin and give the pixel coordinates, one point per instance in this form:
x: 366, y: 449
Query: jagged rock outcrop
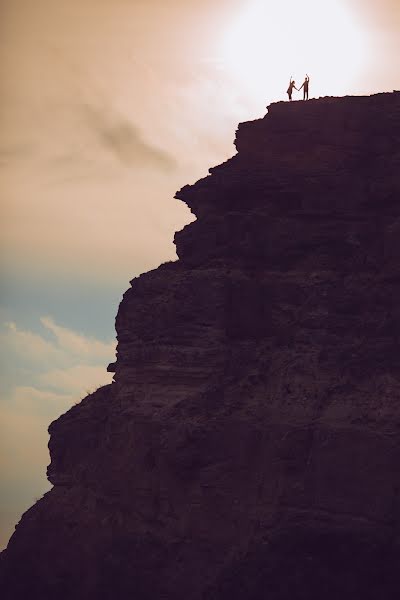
x: 249, y: 447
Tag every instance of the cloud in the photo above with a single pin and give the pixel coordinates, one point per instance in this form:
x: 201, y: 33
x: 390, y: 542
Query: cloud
x: 34, y: 401
x: 77, y: 379
x: 24, y: 418
x: 28, y: 346
x: 78, y: 344
x: 124, y: 140
x: 55, y: 368
x: 64, y: 348
x: 14, y: 152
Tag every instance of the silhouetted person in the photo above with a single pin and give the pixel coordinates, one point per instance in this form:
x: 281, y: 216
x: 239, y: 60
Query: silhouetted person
x: 305, y: 87
x: 292, y: 84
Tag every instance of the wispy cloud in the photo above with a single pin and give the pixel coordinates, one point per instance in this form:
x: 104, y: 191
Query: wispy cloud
x: 14, y: 152
x: 29, y: 347
x: 77, y: 344
x: 63, y: 348
x: 125, y: 141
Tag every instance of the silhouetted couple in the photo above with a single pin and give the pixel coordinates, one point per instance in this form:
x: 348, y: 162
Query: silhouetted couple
x: 305, y: 86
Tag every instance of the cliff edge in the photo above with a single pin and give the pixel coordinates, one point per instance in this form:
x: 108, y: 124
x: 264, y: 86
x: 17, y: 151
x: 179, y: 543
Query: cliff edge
x: 249, y: 446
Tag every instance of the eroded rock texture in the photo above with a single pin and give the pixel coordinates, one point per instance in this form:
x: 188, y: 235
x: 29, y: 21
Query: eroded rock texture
x: 249, y: 447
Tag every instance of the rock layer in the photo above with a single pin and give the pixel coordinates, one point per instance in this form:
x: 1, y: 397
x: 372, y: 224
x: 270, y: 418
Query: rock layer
x: 249, y: 445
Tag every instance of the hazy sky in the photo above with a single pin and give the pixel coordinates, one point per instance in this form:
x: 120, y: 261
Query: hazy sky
x: 107, y: 107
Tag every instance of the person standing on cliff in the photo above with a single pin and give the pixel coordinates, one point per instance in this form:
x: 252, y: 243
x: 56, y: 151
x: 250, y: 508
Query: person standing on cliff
x: 305, y: 87
x: 292, y: 84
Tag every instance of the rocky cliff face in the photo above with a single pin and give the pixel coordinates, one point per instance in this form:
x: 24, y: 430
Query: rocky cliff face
x: 249, y: 447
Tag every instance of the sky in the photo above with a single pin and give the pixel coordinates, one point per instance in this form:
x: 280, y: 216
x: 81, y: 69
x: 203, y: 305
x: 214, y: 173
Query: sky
x: 107, y: 108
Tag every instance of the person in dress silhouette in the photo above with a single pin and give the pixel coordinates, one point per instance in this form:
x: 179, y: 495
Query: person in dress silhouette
x: 292, y: 84
x: 305, y: 87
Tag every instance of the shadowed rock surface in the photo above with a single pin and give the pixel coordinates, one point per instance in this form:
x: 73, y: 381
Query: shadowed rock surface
x: 249, y: 447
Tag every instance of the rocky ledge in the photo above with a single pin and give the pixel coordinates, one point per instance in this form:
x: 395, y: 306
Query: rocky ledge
x: 249, y: 446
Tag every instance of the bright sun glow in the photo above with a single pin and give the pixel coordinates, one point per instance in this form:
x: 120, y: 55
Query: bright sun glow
x: 270, y: 40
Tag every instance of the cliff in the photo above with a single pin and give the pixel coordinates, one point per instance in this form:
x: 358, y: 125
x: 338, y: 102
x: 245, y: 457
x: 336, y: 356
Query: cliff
x: 249, y: 446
